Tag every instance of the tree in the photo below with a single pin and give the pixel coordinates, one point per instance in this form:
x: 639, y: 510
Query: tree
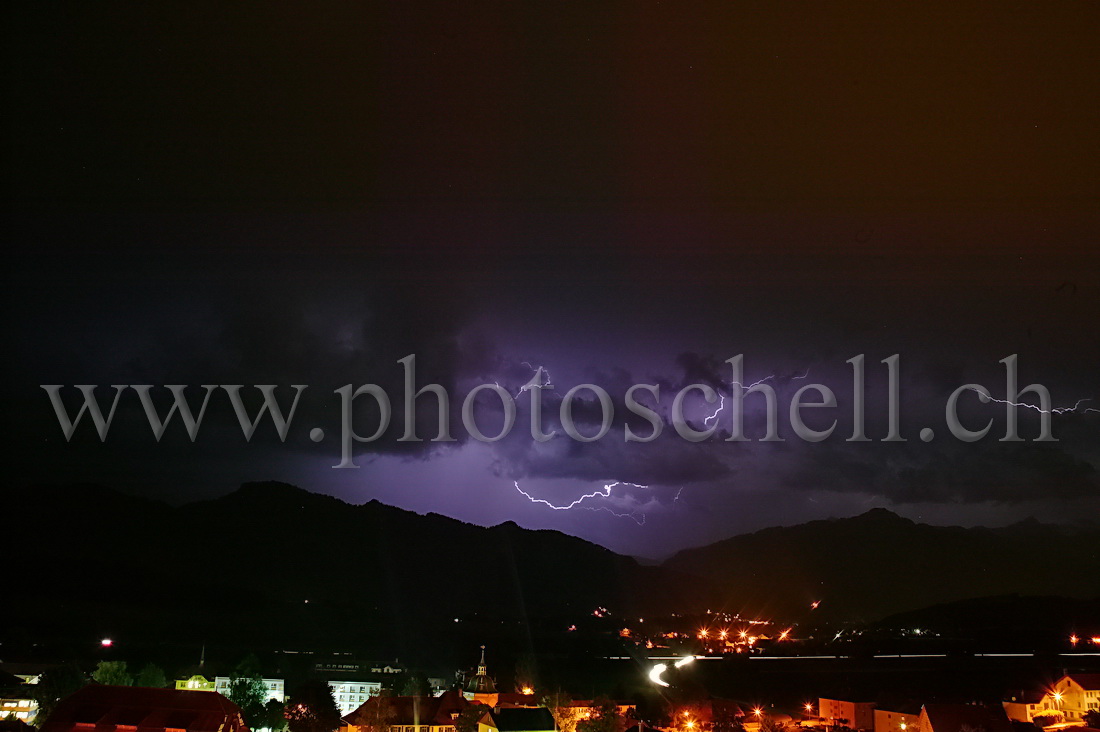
x: 1091, y: 719
x: 112, y: 673
x: 566, y: 716
x: 1045, y: 720
x: 247, y: 690
x: 767, y: 724
x: 312, y: 708
x: 151, y: 676
x: 468, y: 719
x: 605, y: 719
x: 416, y: 684
x: 56, y: 684
x: 273, y: 717
x: 376, y: 714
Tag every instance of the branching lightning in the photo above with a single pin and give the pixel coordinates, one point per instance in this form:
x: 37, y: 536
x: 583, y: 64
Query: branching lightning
x: 1054, y: 410
x: 604, y: 492
x: 709, y: 421
x: 537, y: 380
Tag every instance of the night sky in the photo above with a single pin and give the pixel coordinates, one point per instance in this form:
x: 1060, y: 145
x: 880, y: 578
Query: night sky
x: 622, y: 194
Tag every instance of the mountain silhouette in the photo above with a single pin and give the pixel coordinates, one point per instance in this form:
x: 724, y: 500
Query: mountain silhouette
x: 271, y: 563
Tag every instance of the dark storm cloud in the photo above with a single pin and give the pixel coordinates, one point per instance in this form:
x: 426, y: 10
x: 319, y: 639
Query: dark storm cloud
x: 958, y: 473
x: 622, y: 195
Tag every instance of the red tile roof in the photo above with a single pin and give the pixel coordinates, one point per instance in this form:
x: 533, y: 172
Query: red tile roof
x: 1089, y: 682
x: 415, y: 710
x: 107, y: 708
x: 955, y: 717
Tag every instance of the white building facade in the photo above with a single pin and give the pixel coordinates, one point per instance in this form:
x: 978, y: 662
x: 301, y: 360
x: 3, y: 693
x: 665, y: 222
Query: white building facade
x: 350, y: 695
x: 276, y: 688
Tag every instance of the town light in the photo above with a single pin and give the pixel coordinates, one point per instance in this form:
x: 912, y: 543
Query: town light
x: 809, y: 707
x: 757, y: 711
x: 528, y: 690
x: 1073, y: 640
x: 106, y: 643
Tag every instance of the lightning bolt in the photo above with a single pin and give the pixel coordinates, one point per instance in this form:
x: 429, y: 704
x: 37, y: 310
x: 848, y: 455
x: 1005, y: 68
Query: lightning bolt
x: 604, y: 492
x: 709, y: 421
x: 537, y: 380
x: 1053, y: 410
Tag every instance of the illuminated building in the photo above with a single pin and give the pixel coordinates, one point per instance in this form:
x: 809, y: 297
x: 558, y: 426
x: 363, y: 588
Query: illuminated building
x: 276, y: 688
x: 887, y: 720
x: 481, y: 688
x: 1025, y: 706
x: 408, y: 713
x: 13, y: 703
x: 350, y: 695
x: 588, y: 708
x: 856, y: 715
x: 16, y: 697
x: 127, y: 708
x: 1071, y: 696
x: 195, y: 683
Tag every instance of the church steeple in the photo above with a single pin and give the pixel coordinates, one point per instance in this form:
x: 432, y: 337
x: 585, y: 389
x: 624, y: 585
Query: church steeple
x: 482, y: 687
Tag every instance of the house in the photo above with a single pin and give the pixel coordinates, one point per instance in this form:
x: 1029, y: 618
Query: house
x: 18, y: 704
x: 276, y: 688
x: 517, y: 719
x: 407, y: 713
x: 588, y: 708
x: 1023, y: 707
x: 963, y: 718
x: 855, y: 715
x: 897, y: 720
x: 1071, y: 696
x: 16, y: 699
x: 28, y: 673
x: 101, y: 708
x: 196, y: 683
x: 350, y: 694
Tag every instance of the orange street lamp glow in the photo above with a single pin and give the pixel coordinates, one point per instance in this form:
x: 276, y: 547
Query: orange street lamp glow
x: 527, y: 690
x: 757, y: 711
x: 1073, y: 640
x: 809, y: 707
